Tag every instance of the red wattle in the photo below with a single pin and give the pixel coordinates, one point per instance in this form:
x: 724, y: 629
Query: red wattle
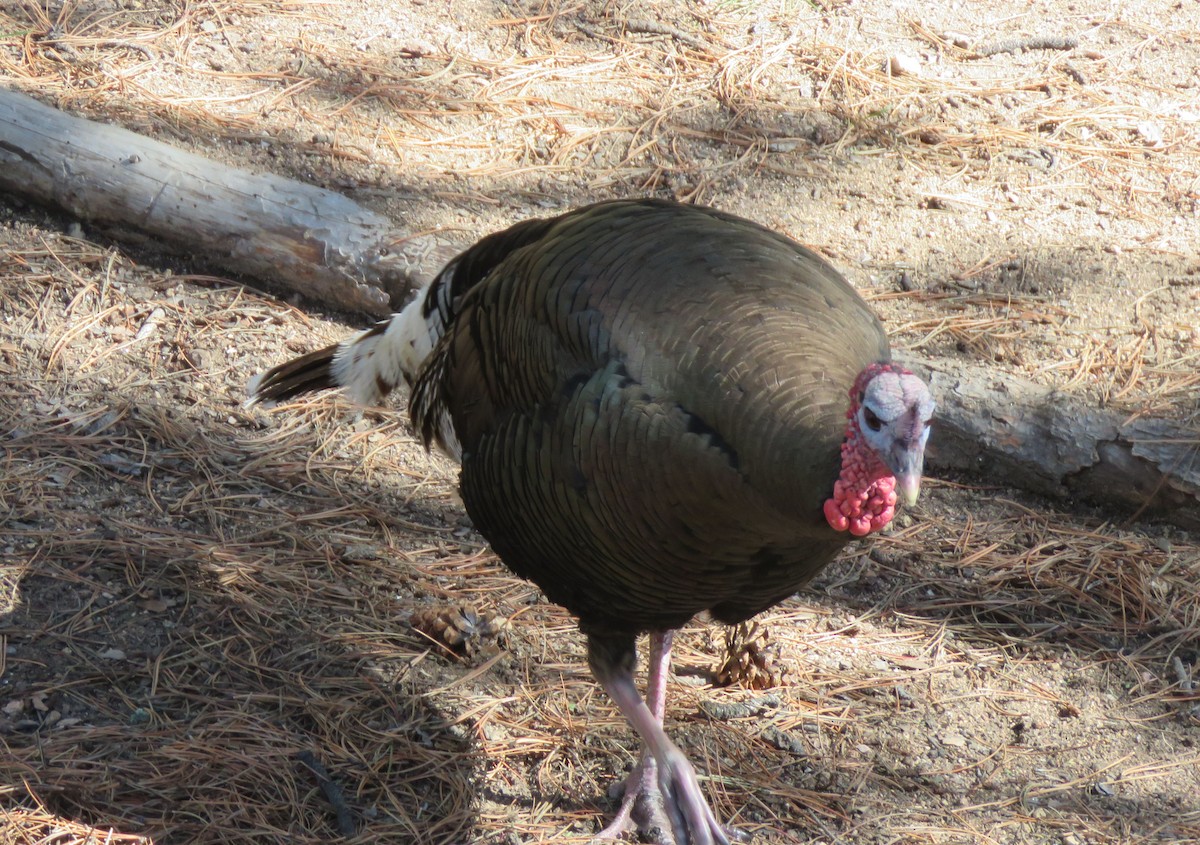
x: 864, y: 496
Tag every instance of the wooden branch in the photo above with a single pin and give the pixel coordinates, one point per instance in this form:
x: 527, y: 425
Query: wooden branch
x: 1010, y: 431
x: 314, y: 241
x: 991, y: 426
x: 333, y: 792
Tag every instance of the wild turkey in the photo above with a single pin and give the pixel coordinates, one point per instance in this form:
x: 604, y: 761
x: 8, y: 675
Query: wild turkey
x: 659, y: 410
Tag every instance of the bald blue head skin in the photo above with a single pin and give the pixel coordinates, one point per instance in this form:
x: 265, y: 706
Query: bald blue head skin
x: 894, y: 416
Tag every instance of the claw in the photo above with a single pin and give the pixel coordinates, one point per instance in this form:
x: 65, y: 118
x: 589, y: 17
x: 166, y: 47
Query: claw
x: 655, y: 806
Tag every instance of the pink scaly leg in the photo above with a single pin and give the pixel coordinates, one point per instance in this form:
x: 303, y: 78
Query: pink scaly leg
x: 663, y: 787
x: 660, y: 667
x: 646, y: 771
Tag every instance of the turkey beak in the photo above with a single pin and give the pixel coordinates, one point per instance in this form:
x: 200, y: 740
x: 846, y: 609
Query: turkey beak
x: 906, y: 464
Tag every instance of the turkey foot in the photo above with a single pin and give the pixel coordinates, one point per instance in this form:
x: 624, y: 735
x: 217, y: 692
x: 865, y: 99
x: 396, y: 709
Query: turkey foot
x: 662, y: 794
x: 641, y: 808
x: 662, y: 809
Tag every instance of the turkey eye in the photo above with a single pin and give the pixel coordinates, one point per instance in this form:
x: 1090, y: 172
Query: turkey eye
x: 873, y: 422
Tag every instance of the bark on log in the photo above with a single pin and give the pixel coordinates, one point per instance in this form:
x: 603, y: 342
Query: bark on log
x: 991, y: 426
x: 314, y: 241
x: 1009, y: 431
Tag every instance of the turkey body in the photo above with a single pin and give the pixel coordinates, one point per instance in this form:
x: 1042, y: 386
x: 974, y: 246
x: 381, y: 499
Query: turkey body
x: 650, y: 400
x: 659, y: 410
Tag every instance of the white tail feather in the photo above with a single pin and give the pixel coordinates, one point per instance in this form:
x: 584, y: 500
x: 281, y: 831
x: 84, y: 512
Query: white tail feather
x: 372, y: 363
x: 252, y: 387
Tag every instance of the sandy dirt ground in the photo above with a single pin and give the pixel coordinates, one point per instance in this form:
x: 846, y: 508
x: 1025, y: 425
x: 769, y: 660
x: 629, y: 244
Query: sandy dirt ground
x: 228, y: 625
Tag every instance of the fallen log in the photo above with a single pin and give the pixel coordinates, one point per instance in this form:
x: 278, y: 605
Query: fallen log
x: 1010, y: 431
x: 257, y: 225
x: 992, y: 426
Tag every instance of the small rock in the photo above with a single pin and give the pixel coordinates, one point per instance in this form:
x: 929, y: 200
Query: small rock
x: 783, y: 740
x: 959, y: 39
x: 1151, y: 133
x: 725, y: 710
x: 902, y: 65
x: 150, y: 325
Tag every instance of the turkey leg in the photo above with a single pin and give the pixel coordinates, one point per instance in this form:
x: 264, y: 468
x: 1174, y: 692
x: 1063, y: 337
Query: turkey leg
x: 664, y: 781
x: 642, y: 783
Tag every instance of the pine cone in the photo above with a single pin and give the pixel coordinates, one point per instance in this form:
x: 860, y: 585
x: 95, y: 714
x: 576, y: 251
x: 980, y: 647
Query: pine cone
x: 460, y: 628
x: 749, y: 658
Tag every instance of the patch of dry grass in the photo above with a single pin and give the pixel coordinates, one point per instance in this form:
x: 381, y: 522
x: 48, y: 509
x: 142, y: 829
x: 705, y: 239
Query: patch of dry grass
x: 206, y: 601
x: 198, y: 596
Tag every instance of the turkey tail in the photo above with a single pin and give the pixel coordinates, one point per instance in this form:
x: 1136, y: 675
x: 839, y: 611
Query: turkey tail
x: 368, y: 366
x: 375, y: 362
x: 305, y: 374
